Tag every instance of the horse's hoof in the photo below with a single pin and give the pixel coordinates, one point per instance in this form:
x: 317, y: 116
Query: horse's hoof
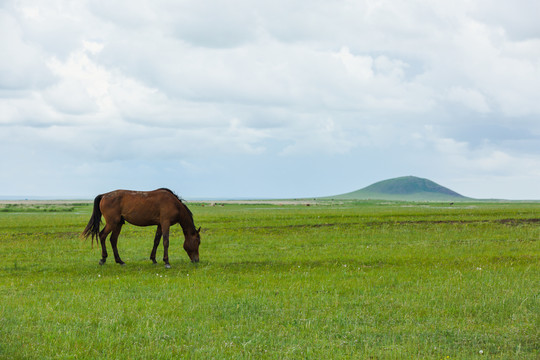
x: 101, y: 262
x: 167, y: 266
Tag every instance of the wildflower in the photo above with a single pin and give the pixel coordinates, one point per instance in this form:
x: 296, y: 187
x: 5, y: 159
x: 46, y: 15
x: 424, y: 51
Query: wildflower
x: 481, y: 352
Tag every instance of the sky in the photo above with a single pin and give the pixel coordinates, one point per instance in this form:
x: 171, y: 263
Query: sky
x: 268, y: 99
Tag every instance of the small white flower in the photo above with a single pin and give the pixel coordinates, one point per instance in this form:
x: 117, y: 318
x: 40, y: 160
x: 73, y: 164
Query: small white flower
x: 479, y: 268
x: 99, y: 275
x: 481, y: 352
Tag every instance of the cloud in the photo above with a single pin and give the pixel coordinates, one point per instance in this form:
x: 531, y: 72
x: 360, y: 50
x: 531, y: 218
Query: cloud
x: 483, y: 159
x: 116, y: 82
x: 325, y: 132
x: 518, y: 19
x: 470, y: 98
x: 20, y: 66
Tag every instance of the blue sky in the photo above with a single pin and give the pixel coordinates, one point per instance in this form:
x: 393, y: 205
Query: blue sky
x: 268, y: 99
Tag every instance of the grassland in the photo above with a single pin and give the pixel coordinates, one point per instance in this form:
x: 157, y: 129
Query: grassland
x: 354, y: 280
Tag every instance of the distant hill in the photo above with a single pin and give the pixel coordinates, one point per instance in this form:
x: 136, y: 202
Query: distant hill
x: 407, y: 188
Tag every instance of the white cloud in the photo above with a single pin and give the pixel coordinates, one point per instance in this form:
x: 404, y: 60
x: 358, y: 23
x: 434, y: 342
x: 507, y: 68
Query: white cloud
x: 324, y: 132
x: 519, y: 19
x: 21, y: 66
x: 470, y: 98
x: 359, y: 67
x: 484, y: 159
x: 83, y: 85
x: 117, y: 81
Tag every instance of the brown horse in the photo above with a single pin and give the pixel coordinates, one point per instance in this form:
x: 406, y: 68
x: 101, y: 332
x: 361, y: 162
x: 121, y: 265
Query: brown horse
x: 160, y: 207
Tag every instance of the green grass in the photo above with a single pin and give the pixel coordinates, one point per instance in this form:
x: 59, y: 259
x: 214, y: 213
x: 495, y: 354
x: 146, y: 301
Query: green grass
x: 354, y: 280
x: 39, y: 207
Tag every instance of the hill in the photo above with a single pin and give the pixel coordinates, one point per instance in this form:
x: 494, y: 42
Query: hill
x: 406, y: 188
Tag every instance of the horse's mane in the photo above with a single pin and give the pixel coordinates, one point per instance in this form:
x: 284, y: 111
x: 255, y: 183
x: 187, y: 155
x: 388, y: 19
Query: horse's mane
x: 181, y: 201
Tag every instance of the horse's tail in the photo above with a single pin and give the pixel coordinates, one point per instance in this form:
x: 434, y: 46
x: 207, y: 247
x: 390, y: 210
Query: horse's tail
x: 95, y: 220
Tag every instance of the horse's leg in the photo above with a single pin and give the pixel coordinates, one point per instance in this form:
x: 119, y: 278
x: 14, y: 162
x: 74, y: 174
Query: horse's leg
x: 157, y: 239
x: 114, y: 241
x: 165, y: 229
x: 102, y: 237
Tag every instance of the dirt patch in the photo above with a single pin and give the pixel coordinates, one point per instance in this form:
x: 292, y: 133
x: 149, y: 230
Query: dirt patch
x: 509, y: 222
x: 256, y: 202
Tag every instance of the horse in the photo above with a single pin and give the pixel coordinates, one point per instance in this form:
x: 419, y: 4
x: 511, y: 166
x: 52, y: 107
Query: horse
x: 159, y: 207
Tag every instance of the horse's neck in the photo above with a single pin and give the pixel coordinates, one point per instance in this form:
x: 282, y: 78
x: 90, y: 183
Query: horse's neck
x: 185, y: 220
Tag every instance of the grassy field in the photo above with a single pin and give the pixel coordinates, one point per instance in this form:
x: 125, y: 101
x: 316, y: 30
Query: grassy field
x: 354, y: 280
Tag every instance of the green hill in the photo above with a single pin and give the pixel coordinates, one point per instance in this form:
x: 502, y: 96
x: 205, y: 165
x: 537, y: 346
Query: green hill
x: 407, y: 188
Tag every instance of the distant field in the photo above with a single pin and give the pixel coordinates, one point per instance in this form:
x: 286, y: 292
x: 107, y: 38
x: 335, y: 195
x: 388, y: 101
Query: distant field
x: 349, y: 280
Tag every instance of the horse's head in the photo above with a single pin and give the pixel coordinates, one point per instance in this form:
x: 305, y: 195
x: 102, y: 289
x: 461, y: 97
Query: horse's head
x: 191, y: 245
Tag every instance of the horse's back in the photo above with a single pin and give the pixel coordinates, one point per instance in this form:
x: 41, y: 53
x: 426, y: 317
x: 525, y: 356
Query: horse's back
x: 142, y: 208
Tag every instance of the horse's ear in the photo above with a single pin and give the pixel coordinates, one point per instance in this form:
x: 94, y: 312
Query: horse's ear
x: 199, y: 230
